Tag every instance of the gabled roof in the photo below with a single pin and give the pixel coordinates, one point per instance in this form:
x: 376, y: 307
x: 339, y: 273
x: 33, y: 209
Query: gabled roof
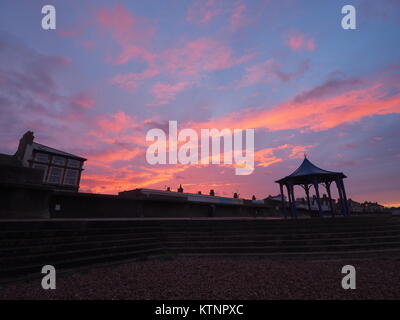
x: 41, y: 147
x: 308, y: 170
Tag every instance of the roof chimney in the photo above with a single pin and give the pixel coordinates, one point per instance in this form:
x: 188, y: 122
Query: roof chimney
x: 26, y: 139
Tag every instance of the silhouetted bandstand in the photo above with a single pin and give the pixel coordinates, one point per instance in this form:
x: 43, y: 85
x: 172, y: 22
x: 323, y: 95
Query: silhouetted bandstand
x: 308, y: 175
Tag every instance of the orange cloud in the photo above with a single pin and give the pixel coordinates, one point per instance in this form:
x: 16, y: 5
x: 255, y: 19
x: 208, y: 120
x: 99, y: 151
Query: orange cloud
x: 116, y: 155
x: 126, y: 178
x: 266, y: 157
x: 117, y: 122
x: 299, y: 151
x: 315, y: 113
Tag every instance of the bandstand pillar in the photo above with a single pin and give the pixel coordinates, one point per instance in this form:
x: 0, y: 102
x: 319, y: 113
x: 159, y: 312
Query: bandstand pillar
x: 293, y: 201
x: 346, y: 206
x: 328, y: 190
x: 283, y: 200
x: 307, y: 190
x: 318, y: 198
x: 342, y: 204
x: 289, y: 198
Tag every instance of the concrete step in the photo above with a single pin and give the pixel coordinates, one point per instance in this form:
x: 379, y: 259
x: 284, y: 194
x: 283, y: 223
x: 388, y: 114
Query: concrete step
x: 71, y: 232
x: 56, y: 224
x: 189, y: 236
x: 393, y: 253
x: 54, y: 257
x: 60, y: 237
x: 67, y: 246
x: 30, y: 269
x: 220, y: 248
x: 81, y: 238
x: 278, y: 242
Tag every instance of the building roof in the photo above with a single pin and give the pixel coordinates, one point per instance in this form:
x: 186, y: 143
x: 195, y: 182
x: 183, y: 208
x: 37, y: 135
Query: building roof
x: 41, y: 147
x: 307, y: 170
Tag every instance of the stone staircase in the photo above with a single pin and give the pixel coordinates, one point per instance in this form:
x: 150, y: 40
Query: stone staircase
x: 26, y: 246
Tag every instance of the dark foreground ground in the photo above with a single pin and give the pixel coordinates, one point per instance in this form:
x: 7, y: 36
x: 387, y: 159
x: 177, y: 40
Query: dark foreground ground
x: 219, y: 278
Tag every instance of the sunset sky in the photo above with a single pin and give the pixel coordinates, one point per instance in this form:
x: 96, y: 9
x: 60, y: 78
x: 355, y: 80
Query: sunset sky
x: 112, y: 70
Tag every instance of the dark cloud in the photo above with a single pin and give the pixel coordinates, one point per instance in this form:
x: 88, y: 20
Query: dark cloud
x: 329, y: 88
x: 31, y: 95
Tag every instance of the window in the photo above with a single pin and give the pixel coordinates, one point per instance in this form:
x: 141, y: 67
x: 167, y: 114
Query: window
x: 42, y: 167
x: 71, y: 177
x: 74, y: 163
x: 42, y: 157
x: 55, y: 175
x: 59, y: 160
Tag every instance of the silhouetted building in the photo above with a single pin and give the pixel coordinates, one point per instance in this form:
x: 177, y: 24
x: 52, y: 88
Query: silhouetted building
x: 355, y: 206
x: 60, y: 169
x: 301, y: 203
x: 372, y: 207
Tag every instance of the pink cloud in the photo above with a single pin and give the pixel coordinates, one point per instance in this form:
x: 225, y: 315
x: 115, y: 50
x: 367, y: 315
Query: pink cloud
x: 131, y: 32
x: 188, y: 62
x: 115, y: 123
x: 130, y: 80
x: 299, y: 41
x: 199, y: 55
x: 89, y: 44
x: 238, y: 19
x: 165, y: 93
x: 203, y: 11
x: 119, y: 21
x: 130, y: 52
x: 269, y: 71
x: 84, y: 100
x: 69, y: 32
x: 311, y: 45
